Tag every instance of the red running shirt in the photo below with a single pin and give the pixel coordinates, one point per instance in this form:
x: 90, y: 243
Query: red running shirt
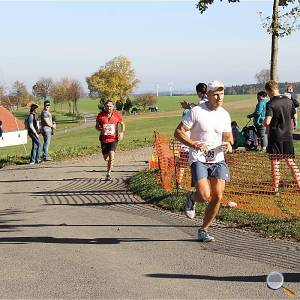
x: 109, y: 126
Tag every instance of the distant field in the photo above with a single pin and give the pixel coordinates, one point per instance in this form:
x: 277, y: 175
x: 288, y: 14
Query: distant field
x: 139, y: 128
x: 167, y: 103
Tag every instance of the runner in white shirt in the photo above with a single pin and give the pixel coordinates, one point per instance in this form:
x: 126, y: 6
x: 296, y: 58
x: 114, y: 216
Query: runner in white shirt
x: 211, y: 136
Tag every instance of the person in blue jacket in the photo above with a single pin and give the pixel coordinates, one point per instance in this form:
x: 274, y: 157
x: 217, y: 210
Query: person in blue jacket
x: 258, y: 116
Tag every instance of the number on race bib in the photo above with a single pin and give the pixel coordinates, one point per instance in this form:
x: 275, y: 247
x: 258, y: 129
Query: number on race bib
x: 210, y: 155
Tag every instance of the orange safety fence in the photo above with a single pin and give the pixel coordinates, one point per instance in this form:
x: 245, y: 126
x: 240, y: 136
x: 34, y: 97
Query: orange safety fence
x: 252, y: 182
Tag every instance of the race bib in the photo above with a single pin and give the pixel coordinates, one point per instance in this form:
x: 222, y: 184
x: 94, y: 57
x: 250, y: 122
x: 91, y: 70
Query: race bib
x: 210, y: 155
x: 109, y: 129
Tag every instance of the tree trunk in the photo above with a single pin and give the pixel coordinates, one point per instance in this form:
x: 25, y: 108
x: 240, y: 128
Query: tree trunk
x: 274, y: 49
x: 76, y: 107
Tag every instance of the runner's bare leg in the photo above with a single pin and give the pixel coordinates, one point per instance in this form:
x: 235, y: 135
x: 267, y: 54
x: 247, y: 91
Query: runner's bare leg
x: 217, y: 191
x: 203, y: 192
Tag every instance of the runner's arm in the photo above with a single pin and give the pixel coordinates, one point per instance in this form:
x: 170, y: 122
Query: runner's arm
x: 121, y: 134
x: 98, y: 127
x: 227, y: 141
x: 181, y: 136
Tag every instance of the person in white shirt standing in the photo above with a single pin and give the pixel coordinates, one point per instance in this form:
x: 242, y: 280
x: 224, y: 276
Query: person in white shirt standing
x: 210, y: 137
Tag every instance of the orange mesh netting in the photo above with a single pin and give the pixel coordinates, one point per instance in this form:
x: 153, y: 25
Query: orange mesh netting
x: 258, y: 182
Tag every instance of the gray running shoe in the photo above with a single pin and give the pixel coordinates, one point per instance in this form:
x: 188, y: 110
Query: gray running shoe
x: 190, y: 206
x: 203, y: 236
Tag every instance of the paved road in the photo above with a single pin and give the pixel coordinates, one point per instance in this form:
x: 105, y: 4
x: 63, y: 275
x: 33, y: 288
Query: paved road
x: 66, y: 233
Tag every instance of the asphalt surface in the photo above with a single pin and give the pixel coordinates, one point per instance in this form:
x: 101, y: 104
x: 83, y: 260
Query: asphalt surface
x: 67, y: 233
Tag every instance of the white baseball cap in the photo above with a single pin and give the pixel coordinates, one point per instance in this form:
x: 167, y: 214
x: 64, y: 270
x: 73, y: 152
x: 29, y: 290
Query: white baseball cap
x: 215, y: 85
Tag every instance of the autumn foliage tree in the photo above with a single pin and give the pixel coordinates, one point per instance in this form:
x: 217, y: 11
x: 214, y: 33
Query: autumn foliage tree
x: 114, y: 81
x: 67, y: 91
x: 19, y: 95
x: 58, y: 93
x: 146, y: 100
x: 75, y: 92
x: 2, y: 93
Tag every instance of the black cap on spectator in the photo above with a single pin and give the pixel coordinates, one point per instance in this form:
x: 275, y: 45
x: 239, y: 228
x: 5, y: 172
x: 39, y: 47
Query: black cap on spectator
x: 47, y: 103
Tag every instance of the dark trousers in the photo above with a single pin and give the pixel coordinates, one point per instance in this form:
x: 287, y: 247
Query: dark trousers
x: 263, y: 138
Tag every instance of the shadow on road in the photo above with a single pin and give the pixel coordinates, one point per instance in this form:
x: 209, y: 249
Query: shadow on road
x: 96, y: 225
x: 52, y: 240
x: 288, y: 277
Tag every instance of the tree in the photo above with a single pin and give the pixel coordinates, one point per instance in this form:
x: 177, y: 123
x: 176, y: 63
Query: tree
x: 127, y: 105
x: 19, y: 95
x: 58, y: 93
x: 67, y: 91
x: 75, y: 92
x: 114, y: 81
x: 262, y: 76
x: 146, y: 100
x: 41, y: 89
x: 119, y: 105
x: 4, y: 99
x: 2, y: 93
x: 282, y: 23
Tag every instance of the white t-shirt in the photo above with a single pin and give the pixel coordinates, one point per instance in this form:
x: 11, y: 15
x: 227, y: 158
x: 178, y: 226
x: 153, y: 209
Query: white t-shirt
x: 207, y: 126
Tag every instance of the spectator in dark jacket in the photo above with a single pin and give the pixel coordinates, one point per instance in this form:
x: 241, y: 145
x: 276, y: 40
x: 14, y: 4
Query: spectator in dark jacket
x: 259, y: 115
x: 33, y: 132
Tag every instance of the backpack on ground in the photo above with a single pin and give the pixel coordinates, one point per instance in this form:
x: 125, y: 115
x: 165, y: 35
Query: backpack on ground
x: 251, y: 137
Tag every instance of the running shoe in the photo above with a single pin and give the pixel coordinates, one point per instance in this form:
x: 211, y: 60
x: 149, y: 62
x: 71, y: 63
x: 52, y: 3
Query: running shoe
x: 203, y: 236
x: 190, y: 206
x: 108, y: 177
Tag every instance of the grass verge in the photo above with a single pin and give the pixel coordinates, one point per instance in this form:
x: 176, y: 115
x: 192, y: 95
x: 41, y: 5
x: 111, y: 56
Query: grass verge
x: 145, y: 185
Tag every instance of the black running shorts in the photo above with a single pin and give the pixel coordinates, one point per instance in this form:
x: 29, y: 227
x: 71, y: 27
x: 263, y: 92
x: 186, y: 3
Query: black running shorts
x: 107, y: 147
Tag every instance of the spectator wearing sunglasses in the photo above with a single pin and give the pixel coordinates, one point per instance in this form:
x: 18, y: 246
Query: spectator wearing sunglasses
x: 46, y: 129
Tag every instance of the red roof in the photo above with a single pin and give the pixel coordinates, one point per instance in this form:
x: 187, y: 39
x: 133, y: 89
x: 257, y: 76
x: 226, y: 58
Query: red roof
x: 9, y: 122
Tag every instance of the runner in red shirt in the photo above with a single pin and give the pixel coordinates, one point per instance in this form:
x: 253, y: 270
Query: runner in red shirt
x: 107, y: 123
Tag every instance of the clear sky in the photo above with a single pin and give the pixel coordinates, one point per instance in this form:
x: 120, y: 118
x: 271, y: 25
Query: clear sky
x: 166, y: 41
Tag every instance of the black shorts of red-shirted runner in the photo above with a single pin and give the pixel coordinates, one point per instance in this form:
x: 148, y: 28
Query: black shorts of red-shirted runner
x: 107, y: 147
